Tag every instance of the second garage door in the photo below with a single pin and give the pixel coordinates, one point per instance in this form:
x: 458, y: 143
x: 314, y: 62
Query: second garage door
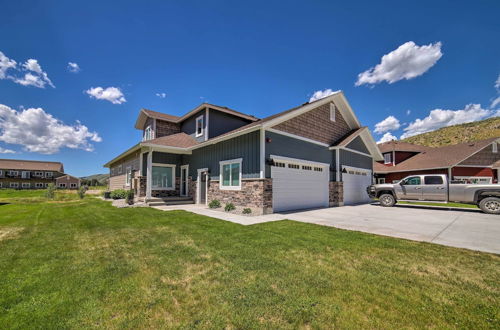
x: 356, y: 181
x: 298, y: 184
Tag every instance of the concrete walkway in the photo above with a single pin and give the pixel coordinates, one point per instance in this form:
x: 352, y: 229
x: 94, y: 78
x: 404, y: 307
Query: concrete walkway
x: 471, y: 230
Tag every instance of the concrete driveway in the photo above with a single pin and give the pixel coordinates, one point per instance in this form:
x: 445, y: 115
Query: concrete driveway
x: 471, y: 230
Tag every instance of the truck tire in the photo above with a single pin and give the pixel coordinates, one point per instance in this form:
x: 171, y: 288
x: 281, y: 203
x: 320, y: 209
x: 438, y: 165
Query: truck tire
x: 490, y: 205
x: 387, y: 200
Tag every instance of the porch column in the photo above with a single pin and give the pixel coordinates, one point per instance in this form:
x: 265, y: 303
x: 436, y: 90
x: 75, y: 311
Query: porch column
x: 149, y: 174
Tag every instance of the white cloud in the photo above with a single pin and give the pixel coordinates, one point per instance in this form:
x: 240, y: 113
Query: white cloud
x: 497, y: 83
x: 38, y: 131
x: 321, y: 94
x: 5, y: 64
x: 438, y: 118
x: 387, y: 137
x: 495, y: 102
x: 73, y: 67
x: 390, y: 123
x: 161, y: 95
x: 6, y: 151
x: 111, y: 94
x: 29, y: 73
x: 408, y: 112
x: 406, y: 62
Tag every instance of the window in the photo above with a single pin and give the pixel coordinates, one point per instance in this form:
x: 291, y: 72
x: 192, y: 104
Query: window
x: 38, y: 185
x: 494, y: 147
x: 14, y: 185
x: 307, y: 168
x: 295, y: 166
x: 128, y: 176
x: 332, y: 111
x: 48, y: 174
x: 72, y: 185
x: 412, y: 181
x: 1, y: 185
x: 381, y: 180
x: 199, y: 126
x: 279, y: 164
x: 38, y: 174
x: 433, y: 180
x: 26, y: 185
x: 120, y: 168
x: 62, y: 185
x: 1, y: 173
x: 318, y: 169
x: 13, y: 173
x: 230, y: 174
x: 163, y: 177
x: 25, y: 174
x: 148, y: 133
x: 46, y: 185
x: 387, y: 158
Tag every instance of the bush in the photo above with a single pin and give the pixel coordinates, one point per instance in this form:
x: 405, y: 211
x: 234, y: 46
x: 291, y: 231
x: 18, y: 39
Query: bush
x: 106, y: 194
x: 129, y: 198
x: 50, y: 193
x: 214, y: 204
x: 247, y: 210
x: 81, y: 192
x: 118, y: 194
x: 229, y: 207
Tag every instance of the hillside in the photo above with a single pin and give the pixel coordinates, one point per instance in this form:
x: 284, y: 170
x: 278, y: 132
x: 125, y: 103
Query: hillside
x: 469, y: 132
x: 102, y: 178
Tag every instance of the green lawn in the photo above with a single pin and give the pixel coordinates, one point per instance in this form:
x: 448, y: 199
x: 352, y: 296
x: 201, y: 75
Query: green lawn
x: 468, y: 206
x: 82, y: 264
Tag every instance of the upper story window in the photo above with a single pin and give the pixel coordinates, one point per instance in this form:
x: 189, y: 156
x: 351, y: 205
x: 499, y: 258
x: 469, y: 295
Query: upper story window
x: 13, y: 173
x: 494, y: 147
x: 48, y: 174
x: 332, y: 111
x: 199, y: 126
x: 25, y: 174
x: 148, y: 133
x: 230, y: 174
x: 387, y: 158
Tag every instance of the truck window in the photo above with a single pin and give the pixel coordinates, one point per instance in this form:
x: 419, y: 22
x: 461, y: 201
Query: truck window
x: 433, y: 180
x: 413, y: 181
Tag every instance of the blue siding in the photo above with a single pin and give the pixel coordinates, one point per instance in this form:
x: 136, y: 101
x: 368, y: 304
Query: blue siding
x: 167, y: 158
x: 285, y: 146
x: 244, y: 146
x: 220, y: 123
x: 188, y: 126
x: 358, y: 145
x: 355, y: 160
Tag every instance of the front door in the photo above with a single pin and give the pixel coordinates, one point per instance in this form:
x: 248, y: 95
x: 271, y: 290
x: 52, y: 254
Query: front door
x: 411, y: 188
x: 184, y: 180
x: 203, y: 188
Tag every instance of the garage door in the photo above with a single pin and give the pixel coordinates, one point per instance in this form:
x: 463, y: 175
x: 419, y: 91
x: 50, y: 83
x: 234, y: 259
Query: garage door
x: 298, y: 184
x: 356, y: 181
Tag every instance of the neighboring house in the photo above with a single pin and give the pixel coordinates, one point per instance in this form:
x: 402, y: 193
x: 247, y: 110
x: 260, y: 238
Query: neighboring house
x: 475, y: 162
x: 67, y: 182
x: 28, y: 174
x: 314, y: 155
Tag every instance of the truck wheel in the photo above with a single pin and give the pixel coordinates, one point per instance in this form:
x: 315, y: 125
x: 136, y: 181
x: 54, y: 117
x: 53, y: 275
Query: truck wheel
x: 490, y: 205
x: 387, y: 200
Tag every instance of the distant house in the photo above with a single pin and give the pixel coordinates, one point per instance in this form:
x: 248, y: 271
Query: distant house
x: 313, y: 155
x: 475, y: 162
x: 68, y: 182
x: 31, y: 174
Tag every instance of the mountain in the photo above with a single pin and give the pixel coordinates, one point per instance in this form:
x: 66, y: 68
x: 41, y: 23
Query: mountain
x: 470, y: 132
x: 102, y: 178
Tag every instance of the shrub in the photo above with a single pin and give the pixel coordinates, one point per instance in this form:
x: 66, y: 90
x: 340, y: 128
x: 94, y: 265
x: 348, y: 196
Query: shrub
x: 50, y: 193
x: 81, y: 192
x: 247, y: 210
x: 214, y: 204
x: 129, y: 198
x: 106, y: 194
x: 118, y: 194
x: 229, y: 207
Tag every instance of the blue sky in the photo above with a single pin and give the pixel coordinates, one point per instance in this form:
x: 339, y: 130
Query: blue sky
x: 442, y: 64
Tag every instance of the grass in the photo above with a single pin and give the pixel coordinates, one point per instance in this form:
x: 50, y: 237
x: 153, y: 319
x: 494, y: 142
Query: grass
x: 82, y: 263
x: 459, y: 205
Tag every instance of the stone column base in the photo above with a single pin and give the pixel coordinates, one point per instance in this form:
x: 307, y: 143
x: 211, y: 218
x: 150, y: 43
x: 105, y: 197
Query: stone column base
x: 336, y: 197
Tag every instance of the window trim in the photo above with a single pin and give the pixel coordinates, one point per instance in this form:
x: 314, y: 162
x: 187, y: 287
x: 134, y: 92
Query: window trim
x: 494, y: 147
x: 332, y: 111
x: 25, y: 174
x: 390, y: 158
x: 39, y: 185
x: 173, y: 176
x: 128, y: 178
x: 1, y: 172
x: 73, y: 185
x: 148, y: 133
x: 38, y: 174
x: 201, y: 126
x: 14, y: 185
x: 49, y: 175
x: 238, y: 161
x: 61, y: 185
x: 11, y: 173
x: 25, y: 185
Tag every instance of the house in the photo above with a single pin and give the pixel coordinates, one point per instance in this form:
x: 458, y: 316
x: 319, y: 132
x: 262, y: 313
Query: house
x: 313, y: 155
x: 67, y: 182
x: 476, y: 162
x: 28, y: 174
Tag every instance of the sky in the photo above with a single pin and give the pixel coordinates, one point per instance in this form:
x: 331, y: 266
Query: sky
x: 74, y: 74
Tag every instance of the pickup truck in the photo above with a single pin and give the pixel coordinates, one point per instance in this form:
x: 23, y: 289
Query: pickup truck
x: 436, y: 188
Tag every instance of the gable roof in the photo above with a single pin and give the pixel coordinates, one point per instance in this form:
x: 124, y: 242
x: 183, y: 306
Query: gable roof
x: 67, y: 175
x: 401, y: 146
x: 145, y: 113
x: 442, y: 157
x: 31, y: 165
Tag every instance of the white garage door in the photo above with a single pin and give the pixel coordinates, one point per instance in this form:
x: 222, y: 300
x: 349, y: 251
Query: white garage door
x: 356, y: 181
x: 298, y: 184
